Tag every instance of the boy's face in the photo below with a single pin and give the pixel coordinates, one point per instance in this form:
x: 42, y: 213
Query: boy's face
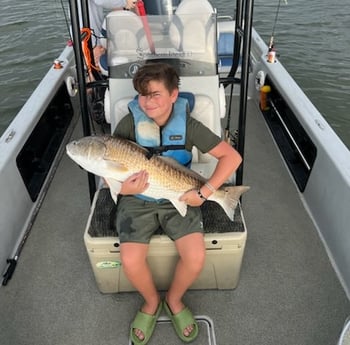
x: 158, y: 102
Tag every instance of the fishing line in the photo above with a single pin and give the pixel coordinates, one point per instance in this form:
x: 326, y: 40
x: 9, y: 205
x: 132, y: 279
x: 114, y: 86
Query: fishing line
x: 66, y: 19
x: 275, y: 23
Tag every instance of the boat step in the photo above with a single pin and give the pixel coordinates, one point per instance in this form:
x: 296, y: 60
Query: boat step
x: 164, y: 333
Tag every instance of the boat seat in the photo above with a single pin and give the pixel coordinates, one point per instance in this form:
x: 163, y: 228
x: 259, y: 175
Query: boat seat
x: 184, y: 24
x: 125, y: 35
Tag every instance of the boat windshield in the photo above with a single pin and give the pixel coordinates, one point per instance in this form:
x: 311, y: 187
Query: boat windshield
x: 186, y: 41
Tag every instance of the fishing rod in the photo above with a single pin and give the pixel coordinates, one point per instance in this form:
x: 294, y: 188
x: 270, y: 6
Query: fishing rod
x: 275, y: 23
x: 271, y: 53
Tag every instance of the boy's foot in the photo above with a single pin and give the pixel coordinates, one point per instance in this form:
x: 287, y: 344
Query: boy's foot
x: 143, y: 326
x: 184, y: 323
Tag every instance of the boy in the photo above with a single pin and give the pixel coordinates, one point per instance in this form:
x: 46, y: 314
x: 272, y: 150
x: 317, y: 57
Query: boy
x: 159, y: 117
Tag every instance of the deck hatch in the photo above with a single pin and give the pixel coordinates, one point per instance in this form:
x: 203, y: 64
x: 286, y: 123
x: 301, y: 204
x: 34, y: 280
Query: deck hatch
x: 165, y: 334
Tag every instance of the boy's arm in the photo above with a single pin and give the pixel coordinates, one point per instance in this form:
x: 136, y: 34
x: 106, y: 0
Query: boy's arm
x: 228, y: 162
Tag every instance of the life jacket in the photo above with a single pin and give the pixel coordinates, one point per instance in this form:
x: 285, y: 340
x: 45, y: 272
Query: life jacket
x: 166, y: 141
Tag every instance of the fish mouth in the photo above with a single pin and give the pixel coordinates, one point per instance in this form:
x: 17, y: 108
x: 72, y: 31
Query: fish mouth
x: 73, y: 146
x: 70, y: 146
x: 87, y: 148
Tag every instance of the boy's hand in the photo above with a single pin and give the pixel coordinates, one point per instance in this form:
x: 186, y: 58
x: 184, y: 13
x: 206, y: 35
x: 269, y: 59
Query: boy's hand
x: 192, y: 198
x: 135, y: 184
x: 130, y: 4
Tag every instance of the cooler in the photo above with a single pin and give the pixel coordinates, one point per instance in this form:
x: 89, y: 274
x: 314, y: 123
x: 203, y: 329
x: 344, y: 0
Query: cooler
x: 225, y: 242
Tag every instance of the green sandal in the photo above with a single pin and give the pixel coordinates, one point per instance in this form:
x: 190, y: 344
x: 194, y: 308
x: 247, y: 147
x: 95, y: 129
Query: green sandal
x: 180, y: 321
x: 146, y: 323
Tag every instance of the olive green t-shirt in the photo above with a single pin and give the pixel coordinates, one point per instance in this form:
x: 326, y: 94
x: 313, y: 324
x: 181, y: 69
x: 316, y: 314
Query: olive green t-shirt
x: 197, y: 134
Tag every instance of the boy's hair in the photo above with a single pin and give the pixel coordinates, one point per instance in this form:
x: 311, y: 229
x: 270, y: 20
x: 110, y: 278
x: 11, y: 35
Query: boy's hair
x: 160, y: 72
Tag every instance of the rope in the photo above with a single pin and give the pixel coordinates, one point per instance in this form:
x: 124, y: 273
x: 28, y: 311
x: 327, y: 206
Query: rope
x: 86, y: 36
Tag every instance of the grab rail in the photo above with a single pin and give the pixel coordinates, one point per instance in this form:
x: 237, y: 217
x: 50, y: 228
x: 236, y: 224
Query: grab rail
x: 285, y: 127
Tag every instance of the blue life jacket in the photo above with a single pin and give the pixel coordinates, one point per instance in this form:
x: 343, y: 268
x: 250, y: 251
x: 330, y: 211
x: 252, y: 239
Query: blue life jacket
x: 168, y: 140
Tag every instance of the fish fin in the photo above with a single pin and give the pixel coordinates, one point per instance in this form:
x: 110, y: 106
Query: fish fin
x: 180, y: 206
x: 116, y: 167
x: 228, y: 197
x: 117, y: 140
x: 138, y: 147
x: 114, y: 187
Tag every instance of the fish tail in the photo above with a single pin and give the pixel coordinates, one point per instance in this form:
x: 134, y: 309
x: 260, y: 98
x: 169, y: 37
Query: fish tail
x: 228, y: 198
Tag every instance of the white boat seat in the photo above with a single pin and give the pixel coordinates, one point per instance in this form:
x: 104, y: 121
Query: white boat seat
x: 193, y: 34
x: 125, y: 36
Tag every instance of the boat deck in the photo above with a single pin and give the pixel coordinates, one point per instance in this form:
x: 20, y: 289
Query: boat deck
x: 288, y: 292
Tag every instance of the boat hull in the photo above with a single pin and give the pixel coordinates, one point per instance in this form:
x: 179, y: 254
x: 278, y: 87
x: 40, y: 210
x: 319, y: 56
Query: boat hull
x: 31, y: 148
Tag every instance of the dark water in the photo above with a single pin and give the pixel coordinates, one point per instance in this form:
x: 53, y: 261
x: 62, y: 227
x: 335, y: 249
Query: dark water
x: 312, y: 39
x: 32, y: 34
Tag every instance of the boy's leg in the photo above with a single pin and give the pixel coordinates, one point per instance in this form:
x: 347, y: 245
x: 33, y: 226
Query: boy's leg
x: 133, y: 257
x: 135, y: 225
x: 191, y: 249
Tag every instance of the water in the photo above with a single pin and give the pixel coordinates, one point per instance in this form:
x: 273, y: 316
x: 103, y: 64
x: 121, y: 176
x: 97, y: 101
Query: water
x: 32, y: 34
x: 312, y: 39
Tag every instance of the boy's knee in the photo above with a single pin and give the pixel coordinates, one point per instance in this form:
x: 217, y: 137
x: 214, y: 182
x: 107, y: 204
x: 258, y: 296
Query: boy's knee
x: 195, y: 260
x: 131, y: 257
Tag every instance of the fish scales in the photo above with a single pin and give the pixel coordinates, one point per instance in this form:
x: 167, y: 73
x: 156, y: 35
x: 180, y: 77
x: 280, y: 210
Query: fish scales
x: 162, y: 171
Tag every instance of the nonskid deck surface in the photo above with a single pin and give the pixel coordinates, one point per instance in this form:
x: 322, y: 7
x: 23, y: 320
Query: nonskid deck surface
x: 288, y: 292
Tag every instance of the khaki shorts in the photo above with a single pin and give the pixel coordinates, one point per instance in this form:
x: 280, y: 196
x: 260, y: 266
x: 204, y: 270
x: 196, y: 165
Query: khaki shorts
x: 137, y: 219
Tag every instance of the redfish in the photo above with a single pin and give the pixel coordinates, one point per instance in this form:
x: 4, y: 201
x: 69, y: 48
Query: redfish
x: 115, y: 159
